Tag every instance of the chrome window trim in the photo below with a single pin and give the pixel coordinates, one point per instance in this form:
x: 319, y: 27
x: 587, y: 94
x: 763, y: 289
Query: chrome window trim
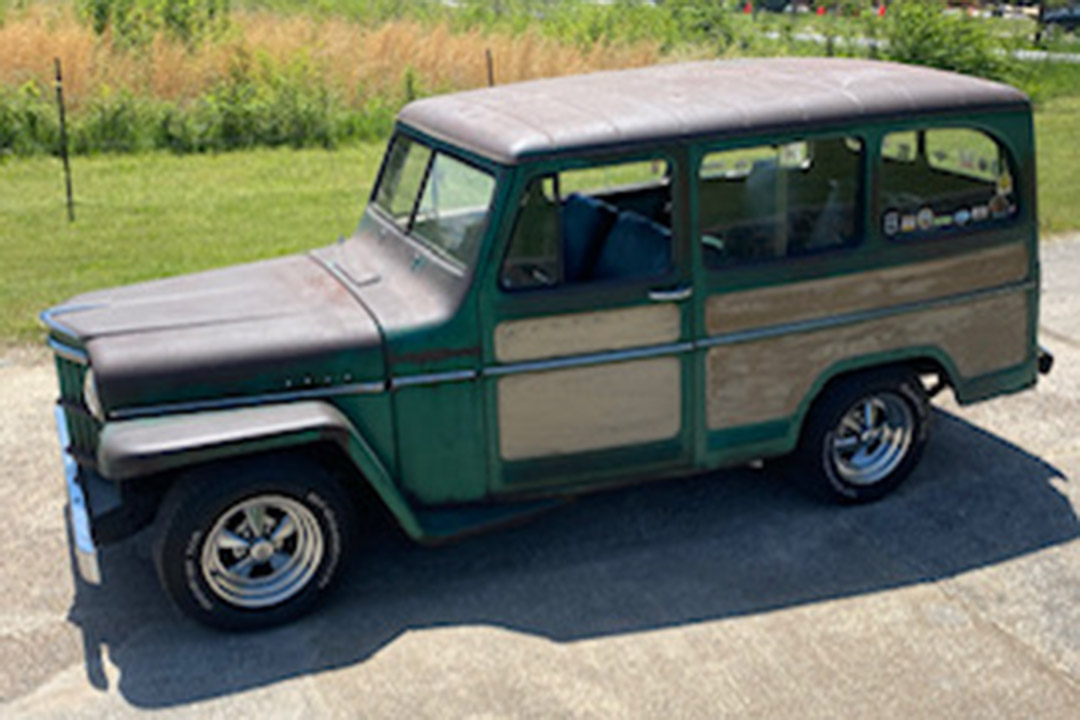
x: 365, y: 388
x: 832, y: 321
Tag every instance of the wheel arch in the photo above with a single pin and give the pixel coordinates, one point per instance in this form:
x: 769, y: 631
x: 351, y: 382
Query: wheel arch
x: 163, y: 447
x: 928, y: 360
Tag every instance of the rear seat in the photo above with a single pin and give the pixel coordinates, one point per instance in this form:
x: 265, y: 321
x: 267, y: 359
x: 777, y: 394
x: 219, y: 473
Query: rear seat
x: 601, y: 243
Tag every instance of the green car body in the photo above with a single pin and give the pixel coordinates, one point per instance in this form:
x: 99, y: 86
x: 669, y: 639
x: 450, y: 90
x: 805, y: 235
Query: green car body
x: 430, y: 362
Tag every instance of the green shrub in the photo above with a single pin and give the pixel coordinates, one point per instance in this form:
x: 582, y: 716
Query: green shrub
x: 135, y: 22
x: 259, y: 104
x: 29, y: 124
x: 373, y: 121
x: 919, y: 32
x: 701, y: 22
x: 368, y: 12
x: 116, y: 122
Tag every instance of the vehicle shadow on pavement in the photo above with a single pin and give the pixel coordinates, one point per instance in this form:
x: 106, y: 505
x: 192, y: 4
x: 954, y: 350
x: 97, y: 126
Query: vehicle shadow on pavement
x: 707, y: 548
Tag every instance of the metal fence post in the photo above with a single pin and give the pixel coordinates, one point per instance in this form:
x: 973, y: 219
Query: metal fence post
x: 64, y: 141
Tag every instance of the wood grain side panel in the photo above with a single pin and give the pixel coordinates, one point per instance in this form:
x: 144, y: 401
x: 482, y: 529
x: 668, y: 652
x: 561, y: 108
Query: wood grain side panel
x: 589, y: 408
x: 579, y: 333
x: 866, y: 291
x: 765, y: 380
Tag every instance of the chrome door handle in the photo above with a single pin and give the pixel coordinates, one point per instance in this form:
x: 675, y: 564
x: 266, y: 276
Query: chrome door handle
x: 676, y: 294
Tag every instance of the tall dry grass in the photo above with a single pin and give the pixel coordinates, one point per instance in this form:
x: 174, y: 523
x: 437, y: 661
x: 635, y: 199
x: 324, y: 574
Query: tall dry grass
x: 356, y: 62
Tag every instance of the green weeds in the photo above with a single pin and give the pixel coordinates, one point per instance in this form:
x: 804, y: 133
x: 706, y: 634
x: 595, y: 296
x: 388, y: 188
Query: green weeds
x: 251, y: 107
x: 134, y: 23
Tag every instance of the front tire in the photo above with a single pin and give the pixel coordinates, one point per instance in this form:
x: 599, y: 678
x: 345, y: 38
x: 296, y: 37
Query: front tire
x: 863, y: 438
x: 253, y: 543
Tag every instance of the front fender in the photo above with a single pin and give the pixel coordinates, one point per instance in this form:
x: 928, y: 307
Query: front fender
x: 131, y: 448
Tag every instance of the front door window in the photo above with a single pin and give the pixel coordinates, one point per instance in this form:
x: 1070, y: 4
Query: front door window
x: 605, y: 223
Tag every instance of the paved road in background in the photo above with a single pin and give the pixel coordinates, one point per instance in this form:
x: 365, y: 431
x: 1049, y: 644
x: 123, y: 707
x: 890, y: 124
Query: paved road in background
x: 865, y: 42
x: 723, y: 595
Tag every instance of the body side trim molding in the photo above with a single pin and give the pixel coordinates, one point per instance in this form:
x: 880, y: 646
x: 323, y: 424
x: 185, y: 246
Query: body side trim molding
x: 589, y: 359
x: 432, y: 378
x: 365, y: 388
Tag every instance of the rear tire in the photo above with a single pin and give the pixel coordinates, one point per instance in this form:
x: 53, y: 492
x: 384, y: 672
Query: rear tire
x: 252, y: 543
x: 863, y: 438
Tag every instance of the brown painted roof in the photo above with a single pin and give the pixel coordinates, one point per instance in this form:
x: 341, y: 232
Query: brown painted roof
x: 510, y: 123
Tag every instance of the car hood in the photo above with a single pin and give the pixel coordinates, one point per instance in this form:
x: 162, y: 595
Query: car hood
x: 280, y: 325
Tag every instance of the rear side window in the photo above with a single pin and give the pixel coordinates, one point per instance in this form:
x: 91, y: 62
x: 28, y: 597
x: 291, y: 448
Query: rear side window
x: 776, y: 201
x: 943, y: 181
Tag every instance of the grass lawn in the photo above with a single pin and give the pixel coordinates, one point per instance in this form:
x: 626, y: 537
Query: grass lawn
x: 1057, y: 132
x: 148, y: 216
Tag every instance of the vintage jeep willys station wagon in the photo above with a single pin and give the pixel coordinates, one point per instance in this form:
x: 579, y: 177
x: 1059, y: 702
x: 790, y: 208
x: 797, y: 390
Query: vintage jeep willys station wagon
x: 565, y: 285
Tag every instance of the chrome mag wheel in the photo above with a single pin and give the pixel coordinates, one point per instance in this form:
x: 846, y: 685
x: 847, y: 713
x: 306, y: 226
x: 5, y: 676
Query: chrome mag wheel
x: 872, y: 439
x: 262, y: 551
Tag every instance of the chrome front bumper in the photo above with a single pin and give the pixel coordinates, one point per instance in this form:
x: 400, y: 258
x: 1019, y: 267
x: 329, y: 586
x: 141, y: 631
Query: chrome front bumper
x: 86, y: 554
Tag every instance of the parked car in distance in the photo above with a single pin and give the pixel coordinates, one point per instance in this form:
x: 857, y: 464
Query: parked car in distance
x: 560, y: 286
x: 1064, y: 19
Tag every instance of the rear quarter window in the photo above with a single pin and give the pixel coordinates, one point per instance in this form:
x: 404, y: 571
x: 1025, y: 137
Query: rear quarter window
x: 944, y: 181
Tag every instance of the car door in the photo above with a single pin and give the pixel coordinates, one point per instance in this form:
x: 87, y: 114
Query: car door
x: 587, y: 324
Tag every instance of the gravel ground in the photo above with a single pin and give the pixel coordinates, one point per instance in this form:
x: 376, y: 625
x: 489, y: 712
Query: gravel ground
x: 722, y: 595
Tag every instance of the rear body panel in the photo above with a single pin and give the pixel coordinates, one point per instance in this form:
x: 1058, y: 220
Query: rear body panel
x: 774, y: 334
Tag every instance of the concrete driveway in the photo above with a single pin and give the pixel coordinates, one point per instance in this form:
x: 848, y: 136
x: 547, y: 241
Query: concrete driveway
x: 727, y: 595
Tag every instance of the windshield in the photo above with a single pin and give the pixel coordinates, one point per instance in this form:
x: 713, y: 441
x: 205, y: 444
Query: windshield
x: 435, y: 197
